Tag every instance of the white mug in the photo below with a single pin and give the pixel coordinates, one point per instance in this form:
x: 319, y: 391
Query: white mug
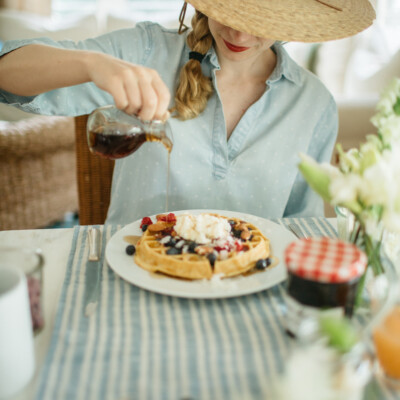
x: 17, y: 359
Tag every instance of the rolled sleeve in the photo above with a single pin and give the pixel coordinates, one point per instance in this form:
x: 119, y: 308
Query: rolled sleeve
x: 128, y: 44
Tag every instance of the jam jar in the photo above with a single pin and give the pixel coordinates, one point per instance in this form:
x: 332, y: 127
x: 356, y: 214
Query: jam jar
x: 323, y: 276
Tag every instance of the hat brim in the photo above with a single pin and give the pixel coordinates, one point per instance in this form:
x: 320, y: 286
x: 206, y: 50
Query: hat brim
x: 291, y: 20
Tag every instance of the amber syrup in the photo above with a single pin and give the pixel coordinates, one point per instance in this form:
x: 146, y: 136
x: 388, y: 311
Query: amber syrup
x: 113, y: 145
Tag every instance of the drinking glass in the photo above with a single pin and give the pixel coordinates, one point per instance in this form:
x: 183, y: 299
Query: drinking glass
x: 30, y: 262
x: 386, y: 332
x: 345, y: 223
x: 17, y: 357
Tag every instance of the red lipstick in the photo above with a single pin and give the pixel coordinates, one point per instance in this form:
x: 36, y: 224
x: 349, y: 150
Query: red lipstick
x: 236, y: 49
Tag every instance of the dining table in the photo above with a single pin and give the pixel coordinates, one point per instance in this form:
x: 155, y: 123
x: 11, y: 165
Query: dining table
x: 140, y: 344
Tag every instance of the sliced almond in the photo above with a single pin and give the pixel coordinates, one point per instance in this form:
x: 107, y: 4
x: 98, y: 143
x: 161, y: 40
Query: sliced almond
x: 157, y: 227
x: 203, y: 250
x: 245, y: 235
x: 242, y: 227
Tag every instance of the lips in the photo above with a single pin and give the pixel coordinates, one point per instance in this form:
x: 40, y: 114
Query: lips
x: 236, y: 49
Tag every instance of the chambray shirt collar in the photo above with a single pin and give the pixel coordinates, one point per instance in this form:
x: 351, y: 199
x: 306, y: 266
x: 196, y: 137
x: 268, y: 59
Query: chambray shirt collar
x: 285, y: 66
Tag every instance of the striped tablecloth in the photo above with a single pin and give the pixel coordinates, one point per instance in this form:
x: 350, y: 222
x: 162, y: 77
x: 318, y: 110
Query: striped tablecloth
x: 142, y: 345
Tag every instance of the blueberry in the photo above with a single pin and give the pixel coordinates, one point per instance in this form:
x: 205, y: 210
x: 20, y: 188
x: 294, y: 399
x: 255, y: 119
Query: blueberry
x: 212, y: 258
x: 144, y: 227
x: 173, y: 251
x: 172, y: 242
x: 192, y: 247
x: 261, y: 264
x: 130, y: 250
x: 269, y: 261
x: 236, y: 233
x: 231, y: 222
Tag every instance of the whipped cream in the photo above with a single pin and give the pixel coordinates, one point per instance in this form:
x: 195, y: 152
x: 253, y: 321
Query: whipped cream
x: 203, y: 228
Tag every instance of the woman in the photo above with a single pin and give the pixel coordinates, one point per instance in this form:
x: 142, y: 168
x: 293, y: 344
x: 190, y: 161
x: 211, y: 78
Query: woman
x: 242, y: 109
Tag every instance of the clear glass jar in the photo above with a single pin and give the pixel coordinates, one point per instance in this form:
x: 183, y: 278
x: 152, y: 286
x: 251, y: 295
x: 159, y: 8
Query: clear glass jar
x: 323, y: 277
x: 113, y: 134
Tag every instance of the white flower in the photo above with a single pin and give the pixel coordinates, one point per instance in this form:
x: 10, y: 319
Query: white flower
x: 309, y: 372
x: 389, y: 97
x: 316, y: 372
x: 370, y: 153
x: 349, y: 161
x: 390, y: 128
x: 344, y: 188
x: 377, y: 184
x: 391, y: 244
x: 387, y: 120
x: 391, y: 221
x: 368, y: 179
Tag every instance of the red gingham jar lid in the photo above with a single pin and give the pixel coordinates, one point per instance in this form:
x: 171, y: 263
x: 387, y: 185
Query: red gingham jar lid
x: 325, y: 260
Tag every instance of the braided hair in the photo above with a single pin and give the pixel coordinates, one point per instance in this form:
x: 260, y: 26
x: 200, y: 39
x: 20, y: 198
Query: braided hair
x: 194, y: 89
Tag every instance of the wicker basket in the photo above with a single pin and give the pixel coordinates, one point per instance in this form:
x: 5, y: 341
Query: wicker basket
x: 37, y: 171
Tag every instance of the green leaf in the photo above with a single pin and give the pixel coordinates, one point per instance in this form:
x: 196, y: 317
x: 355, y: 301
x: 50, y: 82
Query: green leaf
x: 396, y: 107
x: 317, y: 178
x: 341, y: 334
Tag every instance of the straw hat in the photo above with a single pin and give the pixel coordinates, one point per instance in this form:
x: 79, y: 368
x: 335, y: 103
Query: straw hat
x: 291, y: 20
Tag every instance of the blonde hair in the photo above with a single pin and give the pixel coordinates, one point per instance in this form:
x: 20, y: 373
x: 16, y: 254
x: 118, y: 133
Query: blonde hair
x: 194, y: 89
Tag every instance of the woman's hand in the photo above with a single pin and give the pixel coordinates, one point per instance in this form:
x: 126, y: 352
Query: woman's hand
x: 136, y: 89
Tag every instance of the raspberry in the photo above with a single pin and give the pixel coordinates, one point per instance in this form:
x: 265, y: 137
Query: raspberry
x: 171, y: 218
x: 146, y: 221
x: 238, y: 245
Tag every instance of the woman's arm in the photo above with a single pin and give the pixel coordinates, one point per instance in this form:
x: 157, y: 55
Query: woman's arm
x: 35, y: 69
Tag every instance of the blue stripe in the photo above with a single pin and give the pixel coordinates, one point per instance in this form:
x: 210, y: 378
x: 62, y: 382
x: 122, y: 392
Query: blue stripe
x: 69, y: 317
x: 192, y: 354
x: 136, y: 349
x: 200, y: 306
x: 253, y: 375
x: 275, y: 347
x: 122, y: 286
x: 237, y: 389
x: 105, y: 361
x: 163, y: 357
x: 59, y: 316
x: 174, y: 362
x: 255, y: 316
x: 329, y: 229
x: 220, y: 350
x: 148, y: 352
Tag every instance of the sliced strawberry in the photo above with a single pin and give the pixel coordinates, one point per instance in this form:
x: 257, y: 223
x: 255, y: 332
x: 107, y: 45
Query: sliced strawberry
x: 146, y: 221
x: 238, y: 245
x: 220, y: 248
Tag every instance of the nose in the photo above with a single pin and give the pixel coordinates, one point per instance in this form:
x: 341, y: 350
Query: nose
x: 238, y: 36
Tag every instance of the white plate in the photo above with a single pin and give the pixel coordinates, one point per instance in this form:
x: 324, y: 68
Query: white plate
x: 124, y: 266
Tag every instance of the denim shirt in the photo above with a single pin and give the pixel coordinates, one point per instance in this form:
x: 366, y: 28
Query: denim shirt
x: 254, y: 171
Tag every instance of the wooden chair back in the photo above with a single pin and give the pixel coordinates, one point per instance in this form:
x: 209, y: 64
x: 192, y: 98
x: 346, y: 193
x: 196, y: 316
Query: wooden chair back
x: 94, y: 175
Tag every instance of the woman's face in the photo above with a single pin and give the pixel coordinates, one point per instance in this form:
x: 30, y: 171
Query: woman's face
x: 236, y: 45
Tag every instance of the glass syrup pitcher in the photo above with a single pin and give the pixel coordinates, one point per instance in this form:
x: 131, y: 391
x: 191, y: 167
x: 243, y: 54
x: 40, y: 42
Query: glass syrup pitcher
x: 111, y: 133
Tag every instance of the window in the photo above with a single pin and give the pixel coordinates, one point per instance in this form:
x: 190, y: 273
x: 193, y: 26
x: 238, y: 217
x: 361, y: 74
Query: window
x: 138, y: 10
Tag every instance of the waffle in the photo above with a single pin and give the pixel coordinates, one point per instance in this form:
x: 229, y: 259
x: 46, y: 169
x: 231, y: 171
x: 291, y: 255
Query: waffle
x: 246, y: 246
